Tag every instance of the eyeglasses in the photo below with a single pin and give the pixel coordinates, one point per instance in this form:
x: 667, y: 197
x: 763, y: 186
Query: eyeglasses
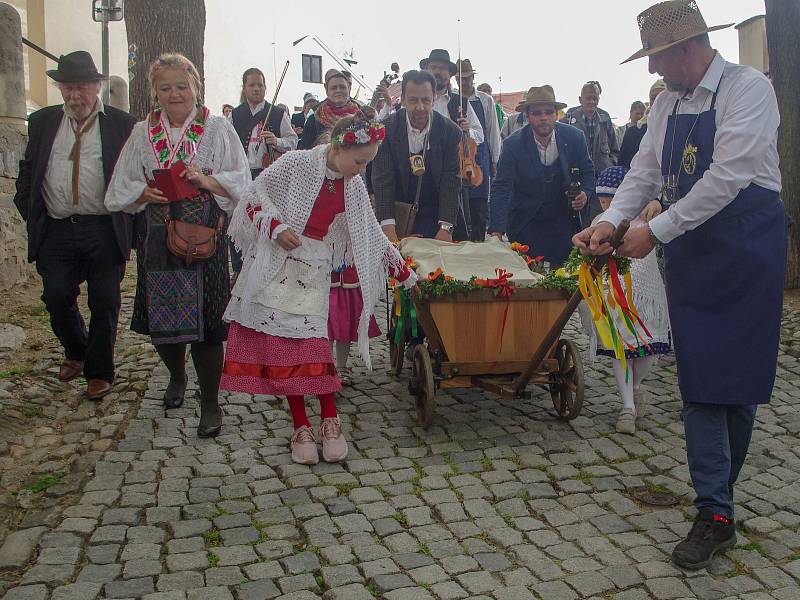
x: 546, y: 111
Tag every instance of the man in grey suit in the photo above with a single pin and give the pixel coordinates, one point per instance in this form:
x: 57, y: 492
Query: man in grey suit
x: 417, y: 131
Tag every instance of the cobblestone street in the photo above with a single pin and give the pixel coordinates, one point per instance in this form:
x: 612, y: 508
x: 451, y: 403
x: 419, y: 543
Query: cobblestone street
x: 497, y: 500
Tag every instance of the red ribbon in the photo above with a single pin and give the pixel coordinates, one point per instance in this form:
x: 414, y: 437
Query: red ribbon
x: 238, y: 369
x: 503, y: 288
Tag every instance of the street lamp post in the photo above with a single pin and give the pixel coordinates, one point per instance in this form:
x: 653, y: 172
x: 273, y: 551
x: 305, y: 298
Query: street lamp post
x: 105, y: 11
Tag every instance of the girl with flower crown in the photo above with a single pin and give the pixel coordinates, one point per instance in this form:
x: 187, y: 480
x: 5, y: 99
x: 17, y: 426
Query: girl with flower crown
x: 177, y: 303
x: 308, y: 210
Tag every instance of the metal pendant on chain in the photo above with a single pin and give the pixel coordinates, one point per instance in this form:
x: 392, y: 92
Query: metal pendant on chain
x: 330, y: 185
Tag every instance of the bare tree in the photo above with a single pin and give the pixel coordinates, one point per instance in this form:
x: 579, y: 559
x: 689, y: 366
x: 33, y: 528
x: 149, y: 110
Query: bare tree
x: 783, y: 31
x: 155, y: 27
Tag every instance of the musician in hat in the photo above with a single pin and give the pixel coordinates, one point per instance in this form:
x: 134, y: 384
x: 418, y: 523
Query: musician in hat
x: 457, y: 108
x: 488, y: 151
x: 72, y: 238
x: 710, y: 153
x: 529, y: 194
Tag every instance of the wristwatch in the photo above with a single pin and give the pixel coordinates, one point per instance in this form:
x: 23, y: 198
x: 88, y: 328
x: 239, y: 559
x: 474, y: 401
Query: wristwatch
x: 444, y: 226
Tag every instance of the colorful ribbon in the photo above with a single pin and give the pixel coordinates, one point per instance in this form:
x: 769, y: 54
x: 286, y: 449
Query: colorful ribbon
x: 404, y: 309
x: 604, y: 304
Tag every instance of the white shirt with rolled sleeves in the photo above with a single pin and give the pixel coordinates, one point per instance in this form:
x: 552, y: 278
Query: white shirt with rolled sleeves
x: 745, y: 150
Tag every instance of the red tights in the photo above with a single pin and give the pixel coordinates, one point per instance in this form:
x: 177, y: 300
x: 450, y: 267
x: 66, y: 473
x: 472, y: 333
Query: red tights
x: 297, y: 405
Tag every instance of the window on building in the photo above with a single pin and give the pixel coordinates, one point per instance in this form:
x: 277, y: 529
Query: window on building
x: 312, y: 68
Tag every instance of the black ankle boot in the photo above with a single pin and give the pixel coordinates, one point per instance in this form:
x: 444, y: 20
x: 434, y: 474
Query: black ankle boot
x: 709, y: 535
x: 175, y: 392
x: 210, y: 419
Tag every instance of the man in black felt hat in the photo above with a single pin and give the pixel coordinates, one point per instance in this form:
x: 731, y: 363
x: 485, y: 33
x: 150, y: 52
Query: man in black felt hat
x: 71, y: 153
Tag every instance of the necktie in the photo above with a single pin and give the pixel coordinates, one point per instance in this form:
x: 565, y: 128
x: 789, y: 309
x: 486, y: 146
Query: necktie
x: 75, y: 155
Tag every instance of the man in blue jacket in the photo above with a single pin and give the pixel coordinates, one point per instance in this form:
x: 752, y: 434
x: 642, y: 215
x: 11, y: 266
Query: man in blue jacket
x: 530, y: 201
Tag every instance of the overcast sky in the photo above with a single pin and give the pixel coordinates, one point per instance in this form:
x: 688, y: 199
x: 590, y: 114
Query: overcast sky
x: 563, y: 43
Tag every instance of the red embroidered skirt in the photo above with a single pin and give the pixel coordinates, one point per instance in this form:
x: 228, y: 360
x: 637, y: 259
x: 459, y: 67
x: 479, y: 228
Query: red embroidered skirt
x: 259, y: 363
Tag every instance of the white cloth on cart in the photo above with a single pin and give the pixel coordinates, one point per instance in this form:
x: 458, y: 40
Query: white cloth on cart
x: 465, y: 260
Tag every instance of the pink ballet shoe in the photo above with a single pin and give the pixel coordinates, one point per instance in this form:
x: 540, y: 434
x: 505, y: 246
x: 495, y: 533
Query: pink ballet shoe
x: 304, y: 446
x: 334, y: 446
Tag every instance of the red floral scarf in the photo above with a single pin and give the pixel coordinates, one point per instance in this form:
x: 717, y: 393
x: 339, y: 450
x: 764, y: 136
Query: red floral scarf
x: 327, y: 114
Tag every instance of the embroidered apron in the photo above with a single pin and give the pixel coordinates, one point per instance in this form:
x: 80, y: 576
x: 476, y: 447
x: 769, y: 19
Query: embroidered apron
x: 724, y: 279
x: 302, y: 286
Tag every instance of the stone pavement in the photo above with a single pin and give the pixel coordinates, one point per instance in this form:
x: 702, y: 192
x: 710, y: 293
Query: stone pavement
x: 497, y: 500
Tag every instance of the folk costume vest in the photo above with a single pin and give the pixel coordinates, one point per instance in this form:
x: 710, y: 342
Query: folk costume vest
x: 244, y: 121
x: 724, y: 279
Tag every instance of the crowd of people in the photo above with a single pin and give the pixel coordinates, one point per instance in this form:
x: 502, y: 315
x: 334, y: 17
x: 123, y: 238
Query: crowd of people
x: 314, y: 202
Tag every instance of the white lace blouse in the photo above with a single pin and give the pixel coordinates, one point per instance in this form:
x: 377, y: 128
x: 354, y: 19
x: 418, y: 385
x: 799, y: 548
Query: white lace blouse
x: 219, y: 150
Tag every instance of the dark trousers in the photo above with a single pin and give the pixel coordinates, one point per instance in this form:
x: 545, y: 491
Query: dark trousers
x: 478, y: 210
x: 77, y: 250
x: 717, y: 439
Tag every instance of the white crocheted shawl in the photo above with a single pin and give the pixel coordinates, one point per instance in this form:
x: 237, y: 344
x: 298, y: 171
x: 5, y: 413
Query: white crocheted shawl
x: 286, y: 191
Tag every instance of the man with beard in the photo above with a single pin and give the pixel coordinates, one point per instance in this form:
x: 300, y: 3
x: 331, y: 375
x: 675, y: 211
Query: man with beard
x: 711, y: 153
x: 71, y: 153
x: 417, y: 130
x: 529, y: 194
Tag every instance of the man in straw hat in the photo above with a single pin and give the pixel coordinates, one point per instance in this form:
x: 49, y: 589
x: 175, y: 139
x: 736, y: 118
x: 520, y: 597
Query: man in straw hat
x: 529, y: 194
x: 710, y: 153
x: 71, y: 153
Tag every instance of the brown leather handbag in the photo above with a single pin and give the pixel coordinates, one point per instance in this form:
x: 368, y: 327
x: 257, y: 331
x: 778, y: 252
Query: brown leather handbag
x: 193, y: 242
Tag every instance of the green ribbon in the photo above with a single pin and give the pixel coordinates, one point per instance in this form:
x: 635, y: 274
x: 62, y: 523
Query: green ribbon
x: 407, y: 311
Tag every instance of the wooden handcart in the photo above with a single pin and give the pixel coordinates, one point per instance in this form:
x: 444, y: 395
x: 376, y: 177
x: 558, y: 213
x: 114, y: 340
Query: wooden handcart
x: 480, y: 340
x: 466, y: 344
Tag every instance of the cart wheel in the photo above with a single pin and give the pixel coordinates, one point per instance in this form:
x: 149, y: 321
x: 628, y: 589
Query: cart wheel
x: 567, y: 386
x: 422, y: 385
x: 396, y: 353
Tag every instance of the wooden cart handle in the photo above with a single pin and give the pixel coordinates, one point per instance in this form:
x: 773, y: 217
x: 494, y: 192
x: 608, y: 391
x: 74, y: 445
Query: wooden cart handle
x: 598, y: 262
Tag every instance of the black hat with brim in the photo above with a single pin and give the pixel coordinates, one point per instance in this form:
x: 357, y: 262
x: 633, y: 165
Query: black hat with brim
x: 439, y: 55
x: 75, y: 67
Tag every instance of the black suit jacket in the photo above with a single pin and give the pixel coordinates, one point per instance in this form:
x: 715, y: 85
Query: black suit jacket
x: 391, y: 169
x: 115, y: 127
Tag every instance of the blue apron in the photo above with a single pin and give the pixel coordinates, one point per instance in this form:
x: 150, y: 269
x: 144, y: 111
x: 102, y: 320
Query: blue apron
x: 724, y: 279
x: 483, y: 158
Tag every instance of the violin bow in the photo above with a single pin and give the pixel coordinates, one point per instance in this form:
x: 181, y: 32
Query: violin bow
x: 271, y: 106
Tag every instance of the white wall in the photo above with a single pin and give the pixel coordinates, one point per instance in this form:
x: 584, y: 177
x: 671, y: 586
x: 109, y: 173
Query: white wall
x: 69, y: 27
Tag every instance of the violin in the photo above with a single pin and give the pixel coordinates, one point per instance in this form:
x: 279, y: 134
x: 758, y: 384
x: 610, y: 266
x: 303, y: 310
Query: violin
x: 471, y: 173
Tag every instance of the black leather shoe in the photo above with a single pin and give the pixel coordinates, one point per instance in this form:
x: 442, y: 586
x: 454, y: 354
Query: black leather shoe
x: 210, y: 425
x: 175, y: 393
x: 710, y: 534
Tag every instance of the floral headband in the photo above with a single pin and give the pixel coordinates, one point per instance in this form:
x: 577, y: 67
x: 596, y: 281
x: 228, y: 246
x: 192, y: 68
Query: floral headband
x: 359, y: 134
